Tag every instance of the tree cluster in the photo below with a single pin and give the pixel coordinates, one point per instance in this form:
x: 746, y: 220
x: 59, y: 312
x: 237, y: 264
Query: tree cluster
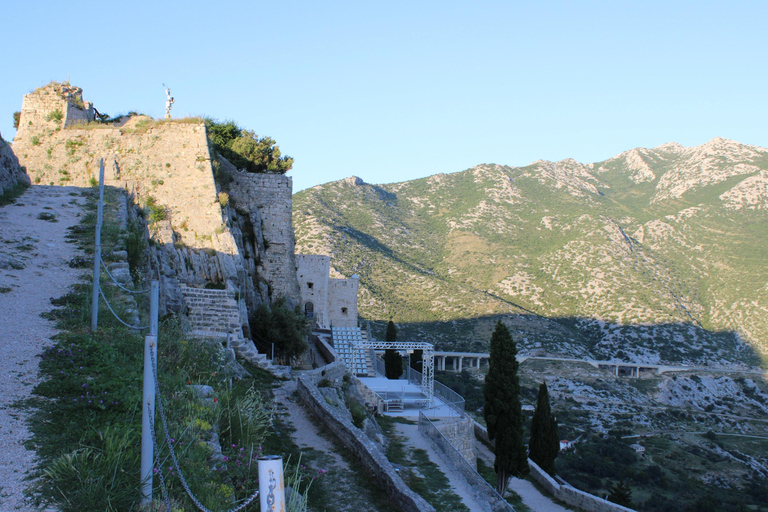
x: 282, y: 325
x: 246, y: 150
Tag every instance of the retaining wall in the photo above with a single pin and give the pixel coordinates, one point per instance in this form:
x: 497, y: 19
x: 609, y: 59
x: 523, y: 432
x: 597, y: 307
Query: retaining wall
x: 365, y: 450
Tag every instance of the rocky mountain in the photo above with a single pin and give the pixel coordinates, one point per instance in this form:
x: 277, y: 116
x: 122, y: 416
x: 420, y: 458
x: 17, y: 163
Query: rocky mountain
x: 652, y: 255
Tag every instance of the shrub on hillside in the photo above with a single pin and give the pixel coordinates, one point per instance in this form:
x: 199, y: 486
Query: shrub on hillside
x: 246, y: 150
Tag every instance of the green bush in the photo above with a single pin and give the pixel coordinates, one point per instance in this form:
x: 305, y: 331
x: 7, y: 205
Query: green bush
x: 246, y: 150
x: 56, y: 116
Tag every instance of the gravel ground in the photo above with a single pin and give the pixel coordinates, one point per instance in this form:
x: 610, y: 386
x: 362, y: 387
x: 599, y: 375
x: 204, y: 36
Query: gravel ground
x: 33, y: 269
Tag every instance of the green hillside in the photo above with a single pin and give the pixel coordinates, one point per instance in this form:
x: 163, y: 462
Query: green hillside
x: 654, y: 255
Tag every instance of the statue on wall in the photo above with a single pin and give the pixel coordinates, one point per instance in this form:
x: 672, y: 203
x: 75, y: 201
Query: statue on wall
x: 168, y: 102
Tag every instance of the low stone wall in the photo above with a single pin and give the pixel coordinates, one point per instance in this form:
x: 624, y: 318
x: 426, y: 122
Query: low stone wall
x: 365, y: 450
x: 566, y: 493
x: 482, y: 490
x: 572, y: 496
x: 459, y: 433
x: 328, y: 352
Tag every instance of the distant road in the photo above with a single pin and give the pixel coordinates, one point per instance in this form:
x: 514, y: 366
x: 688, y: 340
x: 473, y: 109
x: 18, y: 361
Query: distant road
x: 443, y: 356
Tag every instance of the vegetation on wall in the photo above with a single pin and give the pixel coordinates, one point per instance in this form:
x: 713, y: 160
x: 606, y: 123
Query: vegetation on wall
x: 246, y: 150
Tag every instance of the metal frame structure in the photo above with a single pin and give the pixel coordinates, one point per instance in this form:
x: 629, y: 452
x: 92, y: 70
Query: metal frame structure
x: 428, y: 359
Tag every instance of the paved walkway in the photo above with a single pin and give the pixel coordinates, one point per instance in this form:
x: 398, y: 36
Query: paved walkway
x: 33, y: 269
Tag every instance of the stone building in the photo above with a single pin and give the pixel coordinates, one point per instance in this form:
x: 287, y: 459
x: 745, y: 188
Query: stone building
x: 330, y: 302
x: 56, y: 105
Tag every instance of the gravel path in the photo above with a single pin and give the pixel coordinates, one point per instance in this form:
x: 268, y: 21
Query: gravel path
x: 33, y: 269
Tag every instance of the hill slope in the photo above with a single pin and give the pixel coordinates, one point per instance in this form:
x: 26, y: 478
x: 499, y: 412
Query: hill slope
x: 655, y: 254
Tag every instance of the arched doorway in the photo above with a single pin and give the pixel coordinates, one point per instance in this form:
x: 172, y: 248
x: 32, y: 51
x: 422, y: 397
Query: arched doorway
x: 309, y: 310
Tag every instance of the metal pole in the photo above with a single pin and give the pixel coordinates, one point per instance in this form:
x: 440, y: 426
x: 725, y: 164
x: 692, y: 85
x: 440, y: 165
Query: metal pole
x: 271, y: 484
x: 150, y: 347
x: 97, y: 252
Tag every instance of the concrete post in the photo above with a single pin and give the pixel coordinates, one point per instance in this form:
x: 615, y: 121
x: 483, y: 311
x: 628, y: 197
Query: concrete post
x: 271, y: 484
x: 148, y: 400
x: 97, y: 252
x: 461, y: 362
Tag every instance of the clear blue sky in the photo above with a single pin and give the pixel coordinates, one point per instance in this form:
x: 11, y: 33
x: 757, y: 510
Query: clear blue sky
x: 392, y: 91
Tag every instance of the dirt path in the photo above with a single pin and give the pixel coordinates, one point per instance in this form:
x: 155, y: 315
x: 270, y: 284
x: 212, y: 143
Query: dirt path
x: 343, y: 487
x: 530, y: 495
x: 33, y: 269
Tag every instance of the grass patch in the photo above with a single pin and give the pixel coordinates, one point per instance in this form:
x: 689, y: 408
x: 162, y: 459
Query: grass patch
x: 47, y: 216
x: 85, y: 417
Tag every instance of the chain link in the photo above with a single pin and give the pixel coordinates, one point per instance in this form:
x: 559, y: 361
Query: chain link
x: 183, y: 480
x: 134, y: 327
x: 158, y: 463
x: 114, y: 281
x: 271, y: 495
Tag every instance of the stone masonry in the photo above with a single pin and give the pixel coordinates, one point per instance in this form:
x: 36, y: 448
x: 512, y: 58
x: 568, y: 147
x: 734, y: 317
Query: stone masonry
x: 271, y: 195
x: 54, y: 106
x: 10, y: 170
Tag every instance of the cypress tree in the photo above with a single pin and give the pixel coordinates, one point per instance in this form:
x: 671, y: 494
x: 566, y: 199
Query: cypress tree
x: 503, y: 411
x: 544, y: 444
x: 393, y: 361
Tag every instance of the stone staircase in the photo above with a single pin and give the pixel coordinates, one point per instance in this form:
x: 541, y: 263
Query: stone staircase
x: 215, y: 314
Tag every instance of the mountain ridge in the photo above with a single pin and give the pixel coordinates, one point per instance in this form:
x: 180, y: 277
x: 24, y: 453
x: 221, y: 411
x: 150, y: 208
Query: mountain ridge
x: 662, y: 236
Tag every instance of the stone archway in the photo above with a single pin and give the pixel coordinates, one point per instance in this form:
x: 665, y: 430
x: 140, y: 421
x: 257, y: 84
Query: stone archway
x: 309, y: 309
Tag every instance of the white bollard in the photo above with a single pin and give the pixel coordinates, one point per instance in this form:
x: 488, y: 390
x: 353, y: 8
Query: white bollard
x: 271, y: 484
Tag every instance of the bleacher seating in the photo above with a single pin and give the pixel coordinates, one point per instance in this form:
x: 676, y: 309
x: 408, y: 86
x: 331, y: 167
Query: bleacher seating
x: 346, y: 341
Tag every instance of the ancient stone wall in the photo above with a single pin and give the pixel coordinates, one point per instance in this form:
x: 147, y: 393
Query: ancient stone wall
x: 271, y: 195
x: 313, y: 272
x: 165, y: 161
x: 360, y: 445
x: 342, y: 302
x: 461, y: 434
x: 54, y: 106
x: 11, y: 172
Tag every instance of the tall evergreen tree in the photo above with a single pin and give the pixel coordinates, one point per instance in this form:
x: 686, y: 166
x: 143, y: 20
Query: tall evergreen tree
x: 393, y: 361
x: 544, y: 444
x: 503, y: 412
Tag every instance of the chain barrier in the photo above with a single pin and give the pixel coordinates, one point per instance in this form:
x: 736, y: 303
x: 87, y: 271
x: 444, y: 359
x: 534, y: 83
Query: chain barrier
x: 172, y: 452
x: 117, y: 317
x: 158, y: 463
x: 114, y: 281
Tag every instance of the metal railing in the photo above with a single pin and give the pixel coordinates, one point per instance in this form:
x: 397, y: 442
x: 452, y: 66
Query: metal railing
x: 485, y: 493
x: 446, y: 395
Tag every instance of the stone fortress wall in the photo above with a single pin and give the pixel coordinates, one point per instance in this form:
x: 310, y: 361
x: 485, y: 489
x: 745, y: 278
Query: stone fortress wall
x: 168, y: 162
x: 334, y: 301
x: 39, y: 108
x: 313, y: 271
x: 267, y: 200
